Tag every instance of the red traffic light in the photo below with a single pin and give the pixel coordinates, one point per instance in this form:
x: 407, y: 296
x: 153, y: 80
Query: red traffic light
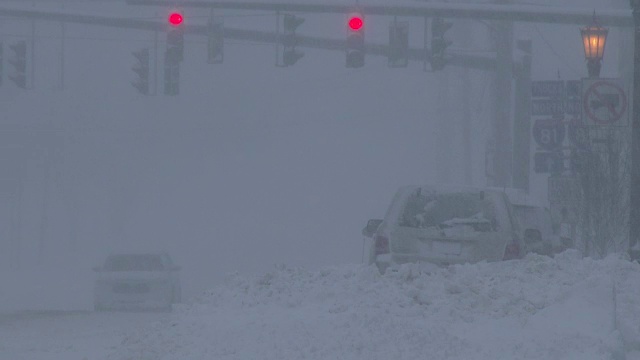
x: 175, y: 19
x: 356, y: 22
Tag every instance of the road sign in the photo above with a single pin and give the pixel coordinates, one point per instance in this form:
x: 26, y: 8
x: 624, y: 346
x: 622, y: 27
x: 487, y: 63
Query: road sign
x: 563, y: 189
x: 548, y: 162
x: 548, y: 133
x: 579, y: 135
x: 547, y: 107
x: 604, y: 102
x: 573, y: 106
x: 573, y: 89
x: 548, y: 89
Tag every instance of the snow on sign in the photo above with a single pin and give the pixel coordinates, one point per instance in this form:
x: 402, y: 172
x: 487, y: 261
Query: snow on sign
x: 604, y: 102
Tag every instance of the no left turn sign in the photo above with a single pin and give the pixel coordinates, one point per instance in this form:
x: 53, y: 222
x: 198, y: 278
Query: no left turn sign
x: 604, y: 102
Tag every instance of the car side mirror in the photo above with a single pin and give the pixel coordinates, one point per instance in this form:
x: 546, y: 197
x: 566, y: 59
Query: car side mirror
x: 372, y: 226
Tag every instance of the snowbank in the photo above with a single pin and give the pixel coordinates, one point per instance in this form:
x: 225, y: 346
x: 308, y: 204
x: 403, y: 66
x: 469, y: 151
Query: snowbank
x: 536, y: 308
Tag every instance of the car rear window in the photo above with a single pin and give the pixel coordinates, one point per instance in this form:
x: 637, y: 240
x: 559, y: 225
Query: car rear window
x: 423, y: 210
x: 133, y: 263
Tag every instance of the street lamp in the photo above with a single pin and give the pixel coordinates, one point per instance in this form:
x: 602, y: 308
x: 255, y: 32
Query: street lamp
x: 594, y: 37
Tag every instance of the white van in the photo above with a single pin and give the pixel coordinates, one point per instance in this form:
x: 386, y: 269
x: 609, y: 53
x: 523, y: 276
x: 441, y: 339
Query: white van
x: 446, y: 225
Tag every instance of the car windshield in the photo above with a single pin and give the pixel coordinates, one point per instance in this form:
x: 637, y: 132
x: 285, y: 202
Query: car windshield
x: 423, y: 210
x: 133, y: 263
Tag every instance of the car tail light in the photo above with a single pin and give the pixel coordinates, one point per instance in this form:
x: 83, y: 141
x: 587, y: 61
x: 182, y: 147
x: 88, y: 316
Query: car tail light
x: 381, y: 244
x: 512, y: 251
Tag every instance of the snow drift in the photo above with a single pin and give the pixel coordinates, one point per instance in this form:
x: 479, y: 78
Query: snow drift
x: 536, y: 308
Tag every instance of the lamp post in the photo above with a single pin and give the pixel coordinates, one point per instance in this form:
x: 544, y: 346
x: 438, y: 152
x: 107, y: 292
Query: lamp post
x: 634, y: 201
x: 594, y: 38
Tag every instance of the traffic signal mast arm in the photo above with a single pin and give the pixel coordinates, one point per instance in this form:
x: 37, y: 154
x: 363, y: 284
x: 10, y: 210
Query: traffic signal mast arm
x: 415, y: 54
x: 520, y: 13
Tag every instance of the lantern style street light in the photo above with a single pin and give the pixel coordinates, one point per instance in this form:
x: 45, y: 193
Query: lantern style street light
x: 594, y: 38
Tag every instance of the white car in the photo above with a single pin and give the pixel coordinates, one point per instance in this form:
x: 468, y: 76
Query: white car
x: 537, y: 229
x: 445, y: 225
x: 137, y: 282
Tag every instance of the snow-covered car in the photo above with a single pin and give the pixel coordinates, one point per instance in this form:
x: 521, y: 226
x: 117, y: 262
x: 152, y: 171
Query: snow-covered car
x: 537, y: 229
x: 137, y: 282
x: 446, y: 225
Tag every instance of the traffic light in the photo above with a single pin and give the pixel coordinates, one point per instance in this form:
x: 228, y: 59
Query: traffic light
x: 171, y: 73
x: 175, y: 18
x: 355, y: 41
x: 175, y: 43
x: 141, y: 68
x: 175, y: 35
x: 215, y: 42
x: 398, y: 55
x: 289, y: 41
x: 19, y: 62
x: 438, y: 42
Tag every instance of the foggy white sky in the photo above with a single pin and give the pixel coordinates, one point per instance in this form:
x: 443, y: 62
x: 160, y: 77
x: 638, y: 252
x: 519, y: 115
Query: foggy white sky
x: 251, y: 165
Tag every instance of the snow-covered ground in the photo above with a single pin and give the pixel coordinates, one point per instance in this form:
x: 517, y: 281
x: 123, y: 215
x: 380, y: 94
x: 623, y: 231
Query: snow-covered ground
x: 67, y: 335
x: 565, y: 307
x: 537, y: 308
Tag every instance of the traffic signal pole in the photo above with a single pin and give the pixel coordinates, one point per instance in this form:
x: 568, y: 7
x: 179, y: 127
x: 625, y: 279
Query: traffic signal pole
x: 501, y: 148
x: 32, y: 66
x: 522, y: 116
x: 634, y: 201
x: 62, y: 36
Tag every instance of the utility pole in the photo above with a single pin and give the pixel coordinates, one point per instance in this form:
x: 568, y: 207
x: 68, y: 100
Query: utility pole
x: 634, y: 201
x: 62, y: 36
x: 44, y: 213
x: 522, y: 116
x: 33, y: 53
x: 445, y: 128
x: 463, y: 31
x: 501, y: 154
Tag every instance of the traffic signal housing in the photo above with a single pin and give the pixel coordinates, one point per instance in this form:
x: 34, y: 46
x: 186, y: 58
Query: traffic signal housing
x: 175, y: 39
x: 171, y: 73
x: 141, y: 69
x: 355, y: 41
x: 290, y: 55
x: 439, y: 43
x: 19, y: 62
x: 398, y: 55
x: 215, y: 42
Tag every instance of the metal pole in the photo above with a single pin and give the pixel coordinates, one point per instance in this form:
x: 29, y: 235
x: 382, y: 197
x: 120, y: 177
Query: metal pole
x: 155, y: 63
x: 63, y: 33
x: 277, y: 37
x: 522, y: 125
x: 33, y: 53
x: 44, y: 214
x: 426, y: 44
x: 634, y: 201
x: 502, y: 123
